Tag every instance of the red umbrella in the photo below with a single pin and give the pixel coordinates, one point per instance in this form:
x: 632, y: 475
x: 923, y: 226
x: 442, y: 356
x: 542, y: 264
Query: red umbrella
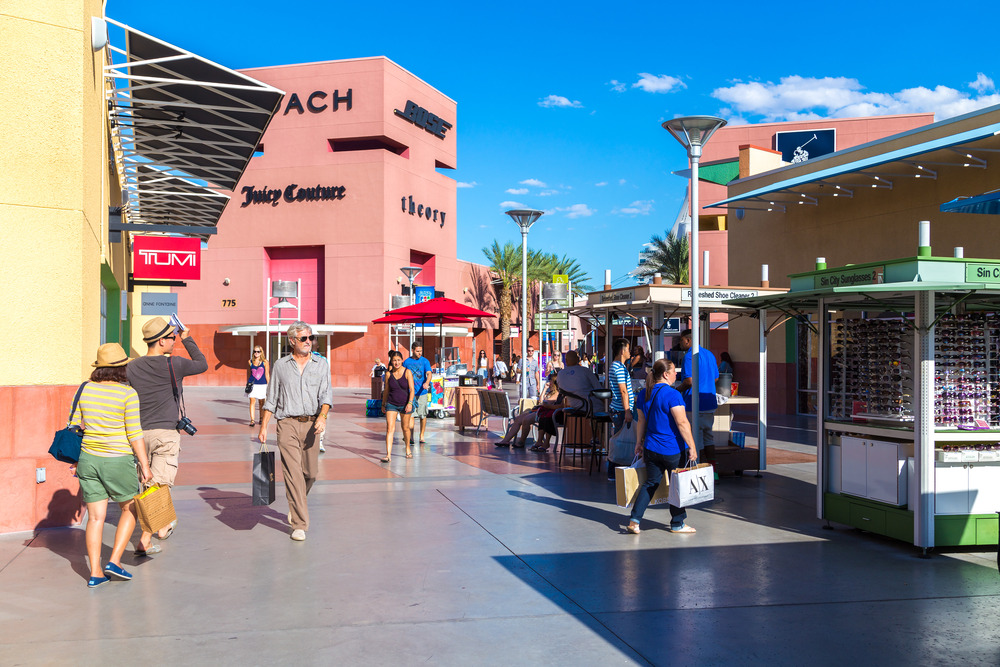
x: 440, y: 307
x: 440, y: 310
x: 416, y: 319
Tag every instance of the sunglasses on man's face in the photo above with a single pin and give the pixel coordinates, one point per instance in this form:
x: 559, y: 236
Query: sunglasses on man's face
x: 303, y: 339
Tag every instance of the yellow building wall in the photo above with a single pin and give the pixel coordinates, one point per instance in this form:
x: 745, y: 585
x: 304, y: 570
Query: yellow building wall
x: 54, y: 192
x: 53, y: 188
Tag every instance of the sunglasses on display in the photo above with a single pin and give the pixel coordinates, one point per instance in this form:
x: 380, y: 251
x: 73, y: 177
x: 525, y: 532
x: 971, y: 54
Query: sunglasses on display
x: 303, y: 339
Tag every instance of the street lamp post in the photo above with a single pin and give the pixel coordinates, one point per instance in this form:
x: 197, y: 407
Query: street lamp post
x: 411, y: 272
x: 693, y: 132
x: 524, y: 218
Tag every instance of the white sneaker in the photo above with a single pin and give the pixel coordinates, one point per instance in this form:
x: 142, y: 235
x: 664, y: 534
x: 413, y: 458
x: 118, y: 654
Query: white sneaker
x: 299, y: 535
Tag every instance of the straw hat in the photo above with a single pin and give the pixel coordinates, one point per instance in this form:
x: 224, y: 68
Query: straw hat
x: 110, y: 355
x: 155, y: 329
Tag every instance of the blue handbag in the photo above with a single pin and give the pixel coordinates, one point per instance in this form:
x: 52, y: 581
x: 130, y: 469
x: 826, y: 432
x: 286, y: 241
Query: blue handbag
x: 66, y: 443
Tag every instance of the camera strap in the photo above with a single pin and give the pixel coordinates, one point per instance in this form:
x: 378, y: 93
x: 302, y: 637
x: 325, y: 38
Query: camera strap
x: 178, y: 397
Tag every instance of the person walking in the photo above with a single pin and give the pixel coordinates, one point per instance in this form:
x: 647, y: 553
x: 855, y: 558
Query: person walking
x: 299, y: 396
x: 499, y: 372
x: 483, y: 365
x: 158, y: 379
x: 108, y: 413
x: 662, y: 427
x: 258, y: 374
x: 397, y: 400
x: 708, y: 373
x: 420, y: 368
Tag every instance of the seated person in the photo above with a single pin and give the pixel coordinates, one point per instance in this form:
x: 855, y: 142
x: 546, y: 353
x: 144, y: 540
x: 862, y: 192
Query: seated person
x: 524, y: 421
x: 579, y: 381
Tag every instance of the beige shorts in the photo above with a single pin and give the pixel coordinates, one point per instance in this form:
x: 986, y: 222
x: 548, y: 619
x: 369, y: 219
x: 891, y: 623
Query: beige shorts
x: 163, y: 447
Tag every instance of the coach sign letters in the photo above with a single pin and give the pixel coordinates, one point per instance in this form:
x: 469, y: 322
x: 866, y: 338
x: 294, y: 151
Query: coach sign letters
x: 166, y: 258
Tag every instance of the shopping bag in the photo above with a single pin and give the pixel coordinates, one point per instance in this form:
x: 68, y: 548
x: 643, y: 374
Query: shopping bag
x: 621, y: 447
x: 690, y: 486
x: 628, y: 480
x: 373, y: 407
x: 263, y: 478
x: 154, y: 508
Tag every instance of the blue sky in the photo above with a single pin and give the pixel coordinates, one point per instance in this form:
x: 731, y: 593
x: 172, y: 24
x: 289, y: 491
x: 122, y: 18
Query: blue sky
x: 560, y: 104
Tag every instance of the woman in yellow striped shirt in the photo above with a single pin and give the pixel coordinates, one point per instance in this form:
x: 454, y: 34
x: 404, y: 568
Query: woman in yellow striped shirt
x: 108, y: 413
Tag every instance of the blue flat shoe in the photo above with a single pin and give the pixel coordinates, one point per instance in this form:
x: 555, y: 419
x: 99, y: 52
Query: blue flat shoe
x: 117, y: 572
x: 97, y: 581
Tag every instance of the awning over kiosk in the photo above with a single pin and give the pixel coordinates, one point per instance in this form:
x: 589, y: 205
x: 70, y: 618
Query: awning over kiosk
x: 183, y: 127
x: 988, y: 204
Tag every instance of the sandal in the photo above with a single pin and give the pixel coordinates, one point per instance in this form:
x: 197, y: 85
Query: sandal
x: 538, y: 448
x: 253, y: 423
x: 148, y: 551
x: 170, y: 531
x: 409, y: 456
x: 385, y: 459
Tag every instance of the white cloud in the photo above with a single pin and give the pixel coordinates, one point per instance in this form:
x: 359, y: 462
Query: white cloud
x: 575, y: 211
x: 460, y: 184
x: 511, y: 204
x: 664, y: 83
x: 641, y: 207
x: 533, y: 182
x: 621, y: 181
x: 484, y: 226
x: 601, y: 184
x: 618, y: 86
x: 982, y: 83
x: 559, y: 101
x: 516, y: 191
x: 548, y: 193
x: 811, y: 98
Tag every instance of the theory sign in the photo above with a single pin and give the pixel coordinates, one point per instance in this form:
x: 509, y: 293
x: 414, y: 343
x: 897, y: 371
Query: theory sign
x: 166, y: 258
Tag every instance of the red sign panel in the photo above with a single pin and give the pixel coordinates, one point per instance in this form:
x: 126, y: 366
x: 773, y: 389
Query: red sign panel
x: 166, y: 258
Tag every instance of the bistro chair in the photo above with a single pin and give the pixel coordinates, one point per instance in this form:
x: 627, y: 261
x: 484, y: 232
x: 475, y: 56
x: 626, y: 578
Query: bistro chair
x: 577, y: 436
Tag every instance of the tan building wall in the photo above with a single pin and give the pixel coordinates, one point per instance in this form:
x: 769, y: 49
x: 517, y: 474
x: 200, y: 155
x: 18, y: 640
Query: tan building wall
x: 876, y: 224
x: 54, y: 194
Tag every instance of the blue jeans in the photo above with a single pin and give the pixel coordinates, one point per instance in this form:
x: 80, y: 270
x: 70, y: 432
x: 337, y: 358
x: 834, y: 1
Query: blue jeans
x: 657, y: 465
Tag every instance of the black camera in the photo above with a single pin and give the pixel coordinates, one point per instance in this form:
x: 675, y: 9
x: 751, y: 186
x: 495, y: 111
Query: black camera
x: 185, y: 425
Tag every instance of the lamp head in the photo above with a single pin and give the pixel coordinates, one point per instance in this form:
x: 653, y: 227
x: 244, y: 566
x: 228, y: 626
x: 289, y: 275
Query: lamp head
x: 693, y: 132
x: 524, y: 218
x: 411, y: 271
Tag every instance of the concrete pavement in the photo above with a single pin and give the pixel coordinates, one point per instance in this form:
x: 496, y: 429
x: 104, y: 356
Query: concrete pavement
x: 469, y: 554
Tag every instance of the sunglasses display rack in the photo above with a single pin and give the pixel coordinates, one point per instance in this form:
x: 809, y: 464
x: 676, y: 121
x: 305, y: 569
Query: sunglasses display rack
x: 967, y: 370
x: 871, y: 370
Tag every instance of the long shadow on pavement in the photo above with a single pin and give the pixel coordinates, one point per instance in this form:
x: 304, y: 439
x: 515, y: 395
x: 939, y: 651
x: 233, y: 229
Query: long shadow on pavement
x: 237, y: 511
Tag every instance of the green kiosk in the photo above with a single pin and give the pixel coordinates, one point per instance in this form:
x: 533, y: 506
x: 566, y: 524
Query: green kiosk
x: 908, y: 443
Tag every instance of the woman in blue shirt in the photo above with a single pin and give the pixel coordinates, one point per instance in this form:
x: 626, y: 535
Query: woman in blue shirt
x: 663, y: 425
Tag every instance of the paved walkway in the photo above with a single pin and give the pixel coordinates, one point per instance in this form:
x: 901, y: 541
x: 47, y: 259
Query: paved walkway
x: 468, y: 555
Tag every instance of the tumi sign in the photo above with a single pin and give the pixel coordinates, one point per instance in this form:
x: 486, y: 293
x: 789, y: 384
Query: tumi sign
x: 166, y: 258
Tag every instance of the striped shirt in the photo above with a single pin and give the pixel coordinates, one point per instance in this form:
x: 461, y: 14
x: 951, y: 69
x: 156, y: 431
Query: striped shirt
x: 108, y: 412
x: 619, y: 375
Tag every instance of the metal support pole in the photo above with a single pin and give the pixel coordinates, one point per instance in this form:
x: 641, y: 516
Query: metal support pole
x: 762, y: 392
x: 524, y: 313
x: 923, y: 513
x: 695, y: 153
x: 821, y: 457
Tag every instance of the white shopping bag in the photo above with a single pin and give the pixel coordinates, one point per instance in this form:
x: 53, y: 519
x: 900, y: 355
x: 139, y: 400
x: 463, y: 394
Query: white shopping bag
x: 690, y: 486
x: 621, y: 447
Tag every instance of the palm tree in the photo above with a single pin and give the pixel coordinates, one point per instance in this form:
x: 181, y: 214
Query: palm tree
x: 668, y: 257
x: 505, y: 264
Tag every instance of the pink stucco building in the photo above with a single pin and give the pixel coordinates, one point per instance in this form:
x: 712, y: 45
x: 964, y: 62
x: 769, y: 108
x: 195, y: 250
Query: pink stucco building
x: 346, y: 188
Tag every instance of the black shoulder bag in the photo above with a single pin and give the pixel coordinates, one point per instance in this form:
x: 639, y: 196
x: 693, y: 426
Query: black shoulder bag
x: 183, y: 424
x: 66, y: 443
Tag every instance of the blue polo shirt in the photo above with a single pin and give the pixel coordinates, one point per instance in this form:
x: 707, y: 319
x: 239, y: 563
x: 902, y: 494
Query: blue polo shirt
x: 708, y: 373
x: 662, y: 435
x: 419, y: 368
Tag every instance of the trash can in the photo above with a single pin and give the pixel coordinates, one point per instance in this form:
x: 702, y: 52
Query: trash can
x: 724, y: 385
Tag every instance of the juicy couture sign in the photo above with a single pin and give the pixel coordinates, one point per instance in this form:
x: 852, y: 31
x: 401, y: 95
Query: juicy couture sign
x: 422, y: 211
x: 291, y: 193
x: 166, y: 258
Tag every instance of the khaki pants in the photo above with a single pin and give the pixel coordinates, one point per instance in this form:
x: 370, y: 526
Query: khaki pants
x: 299, y: 451
x: 163, y: 448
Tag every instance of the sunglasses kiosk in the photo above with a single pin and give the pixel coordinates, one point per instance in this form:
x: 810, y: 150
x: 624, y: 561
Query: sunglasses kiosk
x: 909, y: 366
